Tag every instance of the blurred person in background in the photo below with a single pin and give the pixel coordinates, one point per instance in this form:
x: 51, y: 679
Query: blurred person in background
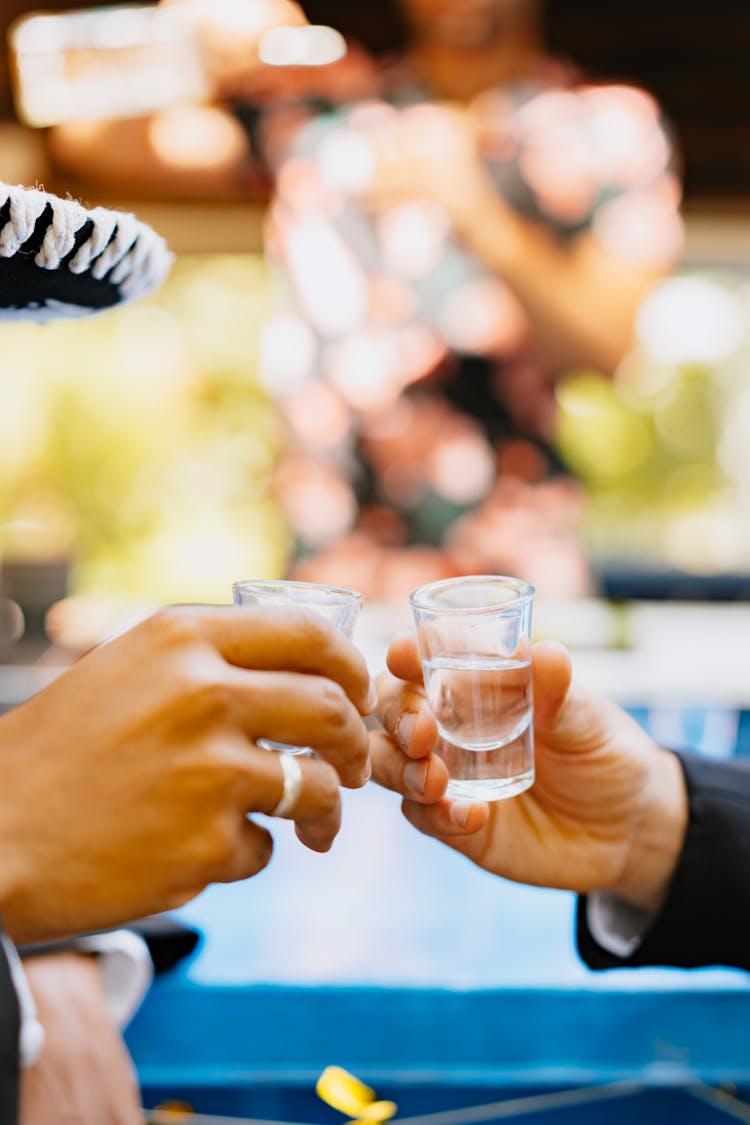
x: 452, y: 248
x: 452, y: 230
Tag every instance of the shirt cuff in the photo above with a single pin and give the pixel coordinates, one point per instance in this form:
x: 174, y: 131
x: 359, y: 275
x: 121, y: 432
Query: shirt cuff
x: 31, y: 1033
x: 127, y: 971
x: 617, y: 926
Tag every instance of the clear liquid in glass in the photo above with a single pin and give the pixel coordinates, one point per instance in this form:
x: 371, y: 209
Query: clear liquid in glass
x: 483, y: 706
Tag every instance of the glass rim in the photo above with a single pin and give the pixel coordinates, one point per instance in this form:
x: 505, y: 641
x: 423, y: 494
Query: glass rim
x: 420, y: 598
x: 341, y: 595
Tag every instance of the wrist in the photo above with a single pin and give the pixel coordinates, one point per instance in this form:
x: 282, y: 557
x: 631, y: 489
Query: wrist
x: 658, y: 836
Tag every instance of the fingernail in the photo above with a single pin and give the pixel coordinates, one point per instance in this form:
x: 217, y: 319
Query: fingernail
x: 366, y: 773
x: 415, y: 776
x: 407, y: 724
x: 459, y: 813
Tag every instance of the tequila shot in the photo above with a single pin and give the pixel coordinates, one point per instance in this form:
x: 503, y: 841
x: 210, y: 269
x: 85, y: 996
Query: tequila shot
x: 474, y: 636
x: 336, y: 604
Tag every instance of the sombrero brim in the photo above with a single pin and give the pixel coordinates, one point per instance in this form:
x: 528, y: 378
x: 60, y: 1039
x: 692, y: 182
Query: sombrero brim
x: 59, y: 259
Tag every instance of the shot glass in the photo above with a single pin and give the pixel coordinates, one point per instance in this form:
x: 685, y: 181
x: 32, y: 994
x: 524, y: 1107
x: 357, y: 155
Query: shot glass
x: 474, y: 636
x: 336, y: 604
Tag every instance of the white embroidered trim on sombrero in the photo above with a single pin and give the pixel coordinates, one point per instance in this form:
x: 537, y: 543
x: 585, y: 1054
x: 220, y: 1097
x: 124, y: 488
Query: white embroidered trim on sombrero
x: 137, y: 257
x: 42, y: 311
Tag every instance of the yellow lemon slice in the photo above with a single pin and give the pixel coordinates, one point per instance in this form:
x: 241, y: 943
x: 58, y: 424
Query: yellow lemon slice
x: 343, y: 1091
x: 377, y: 1112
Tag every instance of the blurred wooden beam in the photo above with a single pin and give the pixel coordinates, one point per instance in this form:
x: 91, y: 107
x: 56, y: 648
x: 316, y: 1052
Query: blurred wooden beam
x: 223, y: 226
x: 718, y: 231
x: 203, y: 228
x: 718, y: 234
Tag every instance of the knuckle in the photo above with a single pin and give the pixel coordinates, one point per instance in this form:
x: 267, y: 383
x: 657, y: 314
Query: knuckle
x: 205, y: 783
x: 334, y: 701
x: 313, y: 632
x: 332, y: 646
x: 311, y: 626
x: 175, y: 625
x: 208, y: 697
x: 305, y: 625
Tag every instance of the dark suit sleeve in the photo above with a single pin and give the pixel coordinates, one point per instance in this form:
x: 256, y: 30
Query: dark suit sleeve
x: 705, y: 919
x: 168, y: 941
x: 9, y: 1029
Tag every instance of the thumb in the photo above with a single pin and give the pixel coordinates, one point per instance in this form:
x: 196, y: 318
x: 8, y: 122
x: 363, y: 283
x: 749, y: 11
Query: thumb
x: 566, y: 715
x: 552, y: 675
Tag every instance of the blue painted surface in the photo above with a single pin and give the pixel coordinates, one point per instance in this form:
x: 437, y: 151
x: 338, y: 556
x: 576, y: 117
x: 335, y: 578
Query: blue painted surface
x: 397, y: 958
x: 743, y: 734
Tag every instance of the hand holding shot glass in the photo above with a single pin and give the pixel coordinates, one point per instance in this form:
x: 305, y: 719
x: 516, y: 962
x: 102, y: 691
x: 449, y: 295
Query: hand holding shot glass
x: 474, y: 637
x: 336, y: 604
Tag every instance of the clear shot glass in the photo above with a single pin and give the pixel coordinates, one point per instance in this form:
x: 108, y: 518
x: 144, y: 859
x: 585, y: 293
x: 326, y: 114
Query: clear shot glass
x: 336, y: 604
x: 474, y: 636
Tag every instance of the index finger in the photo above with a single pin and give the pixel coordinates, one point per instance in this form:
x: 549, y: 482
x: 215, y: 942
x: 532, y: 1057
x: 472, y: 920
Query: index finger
x: 405, y: 715
x: 285, y: 638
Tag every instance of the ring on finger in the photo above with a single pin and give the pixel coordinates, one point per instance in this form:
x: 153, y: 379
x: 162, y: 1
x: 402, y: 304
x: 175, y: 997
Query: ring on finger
x: 291, y: 772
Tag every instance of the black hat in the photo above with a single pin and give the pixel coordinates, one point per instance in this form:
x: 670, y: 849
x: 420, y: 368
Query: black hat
x: 59, y: 259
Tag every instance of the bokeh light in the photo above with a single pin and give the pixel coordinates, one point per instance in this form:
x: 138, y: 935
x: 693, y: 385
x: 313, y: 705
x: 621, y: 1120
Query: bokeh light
x: 690, y: 320
x: 662, y: 450
x: 196, y: 136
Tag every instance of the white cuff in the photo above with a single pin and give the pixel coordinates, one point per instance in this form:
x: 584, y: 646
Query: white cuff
x: 31, y: 1033
x: 616, y: 925
x: 127, y: 971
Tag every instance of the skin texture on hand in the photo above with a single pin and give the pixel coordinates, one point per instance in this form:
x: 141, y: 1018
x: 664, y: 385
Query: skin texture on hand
x: 608, y: 810
x: 127, y: 782
x: 84, y: 1075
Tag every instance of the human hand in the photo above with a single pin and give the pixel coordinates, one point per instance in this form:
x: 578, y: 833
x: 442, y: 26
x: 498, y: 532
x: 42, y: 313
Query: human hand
x: 126, y: 782
x: 430, y: 151
x: 84, y: 1073
x: 608, y: 809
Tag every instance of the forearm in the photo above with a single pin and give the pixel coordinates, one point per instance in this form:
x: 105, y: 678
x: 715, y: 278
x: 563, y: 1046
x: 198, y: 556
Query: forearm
x: 579, y: 300
x: 705, y: 916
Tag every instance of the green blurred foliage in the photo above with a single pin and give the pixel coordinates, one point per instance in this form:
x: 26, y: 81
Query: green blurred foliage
x: 647, y: 452
x: 140, y: 444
